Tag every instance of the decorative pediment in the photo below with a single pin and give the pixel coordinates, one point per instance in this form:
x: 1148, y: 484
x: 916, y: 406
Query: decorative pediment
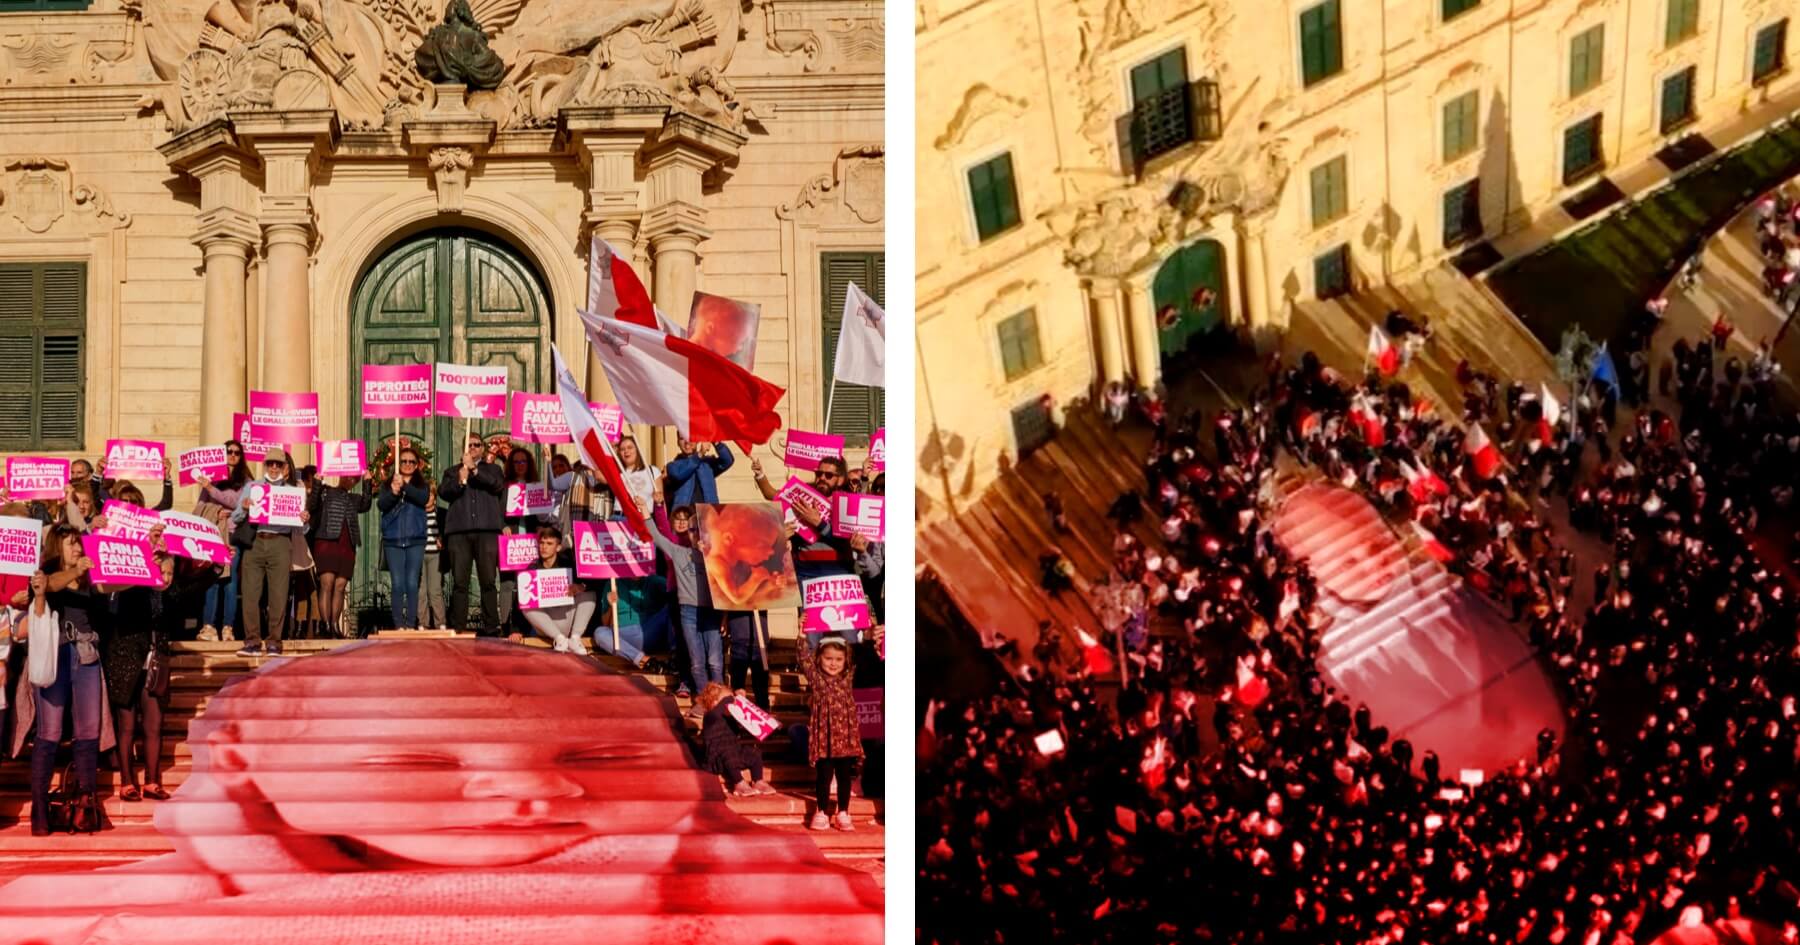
x: 1465, y: 75
x: 1011, y: 299
x: 60, y: 51
x: 854, y: 191
x: 41, y: 195
x: 979, y: 103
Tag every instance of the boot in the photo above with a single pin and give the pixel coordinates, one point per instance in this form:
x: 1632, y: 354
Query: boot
x: 87, y: 764
x: 43, y: 769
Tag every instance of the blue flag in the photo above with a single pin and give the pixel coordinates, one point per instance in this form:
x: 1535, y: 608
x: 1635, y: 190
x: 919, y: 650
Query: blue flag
x: 1604, y: 370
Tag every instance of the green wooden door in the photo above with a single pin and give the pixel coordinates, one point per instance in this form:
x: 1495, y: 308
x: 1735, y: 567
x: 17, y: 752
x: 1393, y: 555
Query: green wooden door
x: 458, y: 296
x: 1189, y: 295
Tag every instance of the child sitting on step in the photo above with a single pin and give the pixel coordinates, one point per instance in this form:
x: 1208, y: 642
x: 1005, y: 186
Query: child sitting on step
x: 728, y: 755
x: 834, y: 740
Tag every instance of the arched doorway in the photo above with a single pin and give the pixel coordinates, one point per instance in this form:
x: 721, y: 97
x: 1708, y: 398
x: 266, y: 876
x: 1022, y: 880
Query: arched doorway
x: 1189, y: 295
x: 453, y: 295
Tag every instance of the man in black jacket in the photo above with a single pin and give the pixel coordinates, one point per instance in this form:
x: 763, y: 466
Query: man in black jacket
x: 472, y: 492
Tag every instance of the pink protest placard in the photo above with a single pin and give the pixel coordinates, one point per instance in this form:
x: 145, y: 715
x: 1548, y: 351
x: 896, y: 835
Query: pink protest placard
x: 342, y: 458
x: 610, y: 550
x: 869, y: 714
x: 275, y: 505
x: 538, y: 418
x: 878, y: 450
x: 255, y: 447
x: 191, y: 536
x: 794, y: 492
x: 547, y: 588
x: 834, y: 604
x: 529, y: 498
x: 611, y: 421
x: 464, y: 391
x: 208, y: 461
x: 21, y: 541
x: 804, y: 450
x: 133, y: 459
x: 32, y: 477
x: 518, y: 552
x: 752, y: 717
x: 860, y: 514
x: 125, y: 520
x: 391, y: 391
x: 283, y: 417
x: 121, y: 561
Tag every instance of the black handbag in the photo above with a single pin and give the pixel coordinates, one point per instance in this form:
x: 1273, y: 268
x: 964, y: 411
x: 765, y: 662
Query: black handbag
x: 73, y: 810
x: 244, y: 536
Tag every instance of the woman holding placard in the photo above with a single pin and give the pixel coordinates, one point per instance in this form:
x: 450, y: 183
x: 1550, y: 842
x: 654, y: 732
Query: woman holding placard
x: 336, y: 512
x: 403, y: 502
x: 129, y: 645
x: 218, y: 614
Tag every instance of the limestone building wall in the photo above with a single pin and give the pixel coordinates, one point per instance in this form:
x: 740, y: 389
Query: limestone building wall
x: 1049, y: 82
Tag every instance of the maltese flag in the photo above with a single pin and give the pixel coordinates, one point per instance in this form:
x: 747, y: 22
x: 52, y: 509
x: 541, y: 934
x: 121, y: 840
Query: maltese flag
x: 1483, y: 454
x: 615, y: 292
x: 1421, y: 483
x: 1099, y: 662
x: 862, y: 341
x: 1251, y: 688
x: 1431, y: 544
x: 665, y: 380
x: 595, y: 451
x: 1368, y: 420
x: 1382, y: 352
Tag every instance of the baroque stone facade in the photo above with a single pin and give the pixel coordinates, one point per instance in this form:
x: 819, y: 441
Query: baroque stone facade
x: 226, y: 171
x: 1099, y: 229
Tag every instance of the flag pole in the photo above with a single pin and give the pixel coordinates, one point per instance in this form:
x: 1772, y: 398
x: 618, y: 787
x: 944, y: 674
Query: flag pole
x: 760, y: 623
x: 830, y: 395
x: 615, y: 616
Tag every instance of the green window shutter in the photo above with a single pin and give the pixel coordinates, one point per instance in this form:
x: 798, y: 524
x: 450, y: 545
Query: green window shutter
x: 1587, y: 56
x: 43, y: 328
x: 1677, y: 100
x: 1462, y: 213
x: 1019, y: 350
x: 41, y: 6
x: 1461, y: 125
x: 1683, y: 22
x: 1770, y: 57
x: 1162, y: 74
x: 995, y: 198
x: 1330, y: 191
x: 1331, y: 272
x: 1455, y: 8
x: 1162, y: 114
x: 855, y: 410
x: 1321, y: 43
x: 1582, y: 154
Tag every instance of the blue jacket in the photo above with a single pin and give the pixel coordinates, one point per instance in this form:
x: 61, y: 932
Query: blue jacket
x: 695, y: 477
x: 403, y: 515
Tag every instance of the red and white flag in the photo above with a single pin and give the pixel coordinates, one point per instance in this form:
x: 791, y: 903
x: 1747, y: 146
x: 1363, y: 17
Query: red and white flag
x: 1251, y: 689
x: 1552, y: 406
x: 665, y: 380
x: 1368, y: 420
x: 1423, y: 484
x: 1484, y: 456
x: 1382, y: 352
x: 1099, y: 662
x: 615, y: 292
x: 1431, y: 543
x: 1155, y: 766
x: 595, y: 451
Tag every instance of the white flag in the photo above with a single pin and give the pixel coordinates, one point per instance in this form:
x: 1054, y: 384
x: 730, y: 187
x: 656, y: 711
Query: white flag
x: 862, y: 341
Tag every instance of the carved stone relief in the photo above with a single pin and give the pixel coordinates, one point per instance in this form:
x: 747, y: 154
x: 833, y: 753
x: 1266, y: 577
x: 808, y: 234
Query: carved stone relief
x: 854, y: 32
x: 979, y: 103
x: 44, y: 52
x: 38, y: 193
x: 450, y: 172
x: 855, y: 189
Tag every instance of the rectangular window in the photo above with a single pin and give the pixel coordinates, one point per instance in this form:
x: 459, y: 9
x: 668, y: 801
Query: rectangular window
x: 1330, y: 191
x: 41, y: 6
x: 1019, y: 351
x: 1162, y: 116
x: 1587, y: 54
x: 1582, y: 154
x: 1462, y: 213
x: 1321, y: 43
x: 855, y: 410
x: 1677, y: 101
x: 994, y: 197
x: 43, y: 329
x: 1455, y: 8
x: 1461, y: 125
x: 1683, y: 22
x: 1331, y: 272
x: 1770, y: 58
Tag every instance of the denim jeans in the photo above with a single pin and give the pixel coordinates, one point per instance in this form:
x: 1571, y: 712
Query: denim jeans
x: 223, y: 593
x: 631, y: 639
x: 431, y: 592
x: 403, y: 571
x: 77, y: 691
x: 705, y: 645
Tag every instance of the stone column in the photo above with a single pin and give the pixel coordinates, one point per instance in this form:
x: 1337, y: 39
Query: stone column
x: 1146, y: 355
x: 253, y: 301
x: 1109, y: 346
x: 226, y: 232
x: 685, y: 150
x: 1256, y: 275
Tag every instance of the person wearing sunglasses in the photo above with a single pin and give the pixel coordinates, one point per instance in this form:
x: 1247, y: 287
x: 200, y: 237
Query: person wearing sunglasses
x: 826, y: 554
x: 472, y: 492
x: 268, y: 565
x: 403, y: 502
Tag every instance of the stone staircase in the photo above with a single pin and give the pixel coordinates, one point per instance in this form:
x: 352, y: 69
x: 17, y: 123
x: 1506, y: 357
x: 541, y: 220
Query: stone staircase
x: 200, y: 670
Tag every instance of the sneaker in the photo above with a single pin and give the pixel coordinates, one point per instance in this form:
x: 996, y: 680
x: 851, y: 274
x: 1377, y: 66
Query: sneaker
x: 208, y: 634
x: 843, y: 822
x: 577, y: 647
x: 272, y: 648
x: 820, y: 821
x: 226, y: 633
x: 560, y: 645
x: 765, y: 788
x: 744, y: 789
x: 251, y: 649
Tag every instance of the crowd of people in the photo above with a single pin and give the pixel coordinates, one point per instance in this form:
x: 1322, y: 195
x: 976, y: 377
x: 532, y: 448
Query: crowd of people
x: 1230, y: 775
x: 438, y: 538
